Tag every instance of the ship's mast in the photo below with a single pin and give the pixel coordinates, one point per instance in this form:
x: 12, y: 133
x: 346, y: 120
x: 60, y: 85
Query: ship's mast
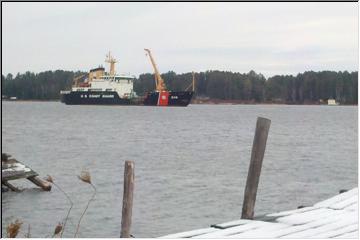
x: 192, y: 84
x: 159, y: 82
x: 112, y: 61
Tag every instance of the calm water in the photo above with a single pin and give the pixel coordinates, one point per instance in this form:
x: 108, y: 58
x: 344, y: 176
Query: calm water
x: 190, y: 163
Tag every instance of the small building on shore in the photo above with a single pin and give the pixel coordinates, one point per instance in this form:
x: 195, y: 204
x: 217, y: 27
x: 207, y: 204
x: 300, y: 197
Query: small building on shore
x: 332, y: 102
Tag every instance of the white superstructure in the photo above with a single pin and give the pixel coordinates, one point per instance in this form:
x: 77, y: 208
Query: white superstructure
x: 99, y: 81
x: 122, y: 84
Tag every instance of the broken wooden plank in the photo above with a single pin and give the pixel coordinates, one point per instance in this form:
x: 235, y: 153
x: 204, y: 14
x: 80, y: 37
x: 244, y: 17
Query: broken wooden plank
x: 46, y: 186
x: 10, y: 186
x: 13, y: 169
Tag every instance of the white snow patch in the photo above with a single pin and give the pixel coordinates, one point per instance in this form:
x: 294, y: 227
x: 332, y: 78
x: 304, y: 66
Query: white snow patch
x: 235, y: 230
x: 336, y: 217
x: 306, y: 217
x: 285, y: 213
x: 191, y: 233
x: 17, y: 167
x: 337, y: 198
x: 261, y: 232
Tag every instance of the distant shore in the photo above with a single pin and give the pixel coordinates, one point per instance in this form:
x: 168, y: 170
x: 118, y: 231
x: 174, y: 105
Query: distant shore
x: 207, y: 102
x: 30, y: 100
x: 251, y: 102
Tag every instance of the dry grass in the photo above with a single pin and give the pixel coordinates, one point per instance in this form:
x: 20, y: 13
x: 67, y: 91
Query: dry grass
x: 85, y: 177
x: 51, y: 180
x: 58, y: 229
x: 28, y: 235
x: 12, y: 229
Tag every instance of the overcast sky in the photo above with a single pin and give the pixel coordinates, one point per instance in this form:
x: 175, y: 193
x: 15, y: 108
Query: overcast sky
x: 270, y: 38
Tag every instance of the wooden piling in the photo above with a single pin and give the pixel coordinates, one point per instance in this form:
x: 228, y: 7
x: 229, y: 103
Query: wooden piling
x: 257, y: 155
x: 127, y: 200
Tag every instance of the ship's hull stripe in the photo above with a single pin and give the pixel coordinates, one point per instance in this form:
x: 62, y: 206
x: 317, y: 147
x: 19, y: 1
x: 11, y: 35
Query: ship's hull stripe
x: 112, y: 98
x: 181, y: 98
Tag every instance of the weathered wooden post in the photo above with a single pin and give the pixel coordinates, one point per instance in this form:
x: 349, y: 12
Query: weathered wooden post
x: 127, y: 199
x: 257, y: 156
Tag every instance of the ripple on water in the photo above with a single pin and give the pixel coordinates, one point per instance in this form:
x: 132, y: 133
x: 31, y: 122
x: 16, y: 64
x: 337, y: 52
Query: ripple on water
x: 190, y: 163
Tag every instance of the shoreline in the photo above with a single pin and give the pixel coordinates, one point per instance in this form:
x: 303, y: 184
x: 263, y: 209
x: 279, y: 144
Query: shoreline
x: 208, y: 102
x: 30, y: 100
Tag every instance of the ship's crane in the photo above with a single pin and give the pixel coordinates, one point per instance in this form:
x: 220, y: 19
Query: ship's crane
x: 110, y: 59
x: 77, y: 79
x: 159, y: 82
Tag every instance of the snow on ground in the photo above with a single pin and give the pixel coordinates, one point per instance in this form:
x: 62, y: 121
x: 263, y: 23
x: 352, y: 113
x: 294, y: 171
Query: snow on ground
x: 336, y: 217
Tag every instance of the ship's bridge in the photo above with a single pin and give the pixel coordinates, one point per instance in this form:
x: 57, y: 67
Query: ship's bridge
x: 122, y: 84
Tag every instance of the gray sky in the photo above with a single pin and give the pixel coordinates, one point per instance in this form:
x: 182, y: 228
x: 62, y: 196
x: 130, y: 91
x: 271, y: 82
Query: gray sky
x: 270, y: 38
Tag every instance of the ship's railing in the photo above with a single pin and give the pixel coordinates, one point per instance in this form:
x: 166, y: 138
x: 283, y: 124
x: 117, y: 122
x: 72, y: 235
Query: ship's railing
x: 116, y: 78
x: 80, y: 89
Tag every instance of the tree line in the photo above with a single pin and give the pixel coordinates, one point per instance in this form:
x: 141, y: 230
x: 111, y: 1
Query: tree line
x: 42, y: 86
x: 307, y: 87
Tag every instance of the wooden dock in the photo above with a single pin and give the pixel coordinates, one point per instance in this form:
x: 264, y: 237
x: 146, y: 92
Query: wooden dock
x: 336, y: 217
x: 12, y: 169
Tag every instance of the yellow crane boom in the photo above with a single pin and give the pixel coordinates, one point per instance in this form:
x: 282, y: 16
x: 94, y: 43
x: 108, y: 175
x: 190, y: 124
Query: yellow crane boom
x: 77, y: 80
x: 159, y: 82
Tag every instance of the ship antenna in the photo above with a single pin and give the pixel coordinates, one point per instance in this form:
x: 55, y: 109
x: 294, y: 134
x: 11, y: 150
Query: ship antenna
x: 112, y: 61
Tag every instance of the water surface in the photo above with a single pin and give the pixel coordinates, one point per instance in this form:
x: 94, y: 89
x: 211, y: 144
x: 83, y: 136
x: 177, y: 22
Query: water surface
x: 190, y: 163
